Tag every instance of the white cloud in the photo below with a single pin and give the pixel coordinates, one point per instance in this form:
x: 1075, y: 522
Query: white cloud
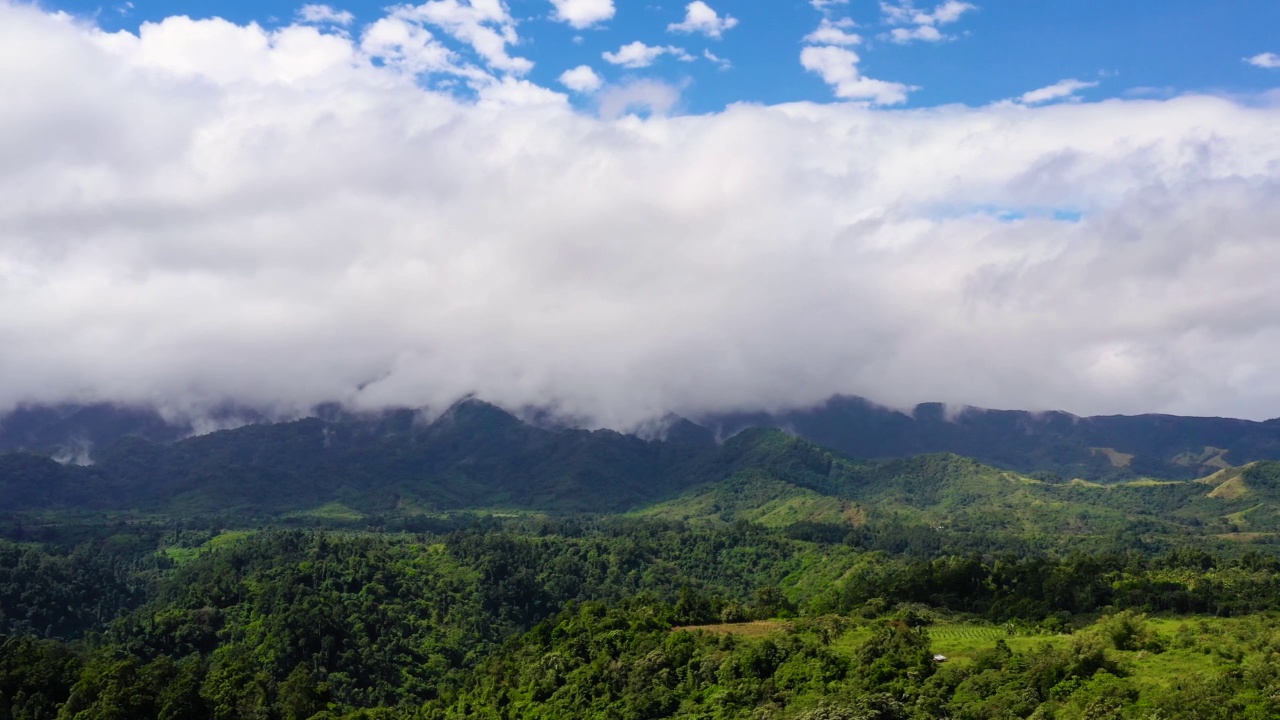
x: 905, y: 13
x: 653, y: 97
x: 723, y: 63
x: 1061, y: 90
x: 581, y: 79
x: 207, y: 212
x: 927, y: 33
x: 411, y: 48
x: 1264, y: 60
x: 922, y: 25
x: 838, y: 68
x: 826, y: 5
x: 700, y: 18
x: 324, y: 14
x: 485, y: 25
x: 509, y: 92
x: 950, y: 11
x: 220, y: 52
x: 639, y: 55
x: 833, y: 33
x: 583, y: 13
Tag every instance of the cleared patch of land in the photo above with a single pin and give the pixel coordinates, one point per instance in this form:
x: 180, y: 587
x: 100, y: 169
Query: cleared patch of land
x: 757, y: 628
x: 1232, y: 489
x: 330, y: 511
x: 1115, y: 457
x: 1211, y: 457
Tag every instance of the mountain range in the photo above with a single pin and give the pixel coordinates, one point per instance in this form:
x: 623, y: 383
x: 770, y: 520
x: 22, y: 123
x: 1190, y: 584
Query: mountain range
x: 1101, y: 448
x: 475, y: 456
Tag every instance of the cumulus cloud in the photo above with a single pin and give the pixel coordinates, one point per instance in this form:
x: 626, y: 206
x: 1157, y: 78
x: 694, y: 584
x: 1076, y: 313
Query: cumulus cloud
x: 835, y: 32
x: 583, y: 13
x: 700, y: 18
x: 1061, y: 90
x: 639, y: 55
x: 410, y: 47
x: 905, y: 13
x: 1264, y: 60
x: 205, y: 212
x: 581, y: 79
x: 509, y: 92
x: 642, y: 96
x: 919, y: 25
x: 838, y: 67
x: 484, y: 25
x: 322, y: 14
x: 926, y: 33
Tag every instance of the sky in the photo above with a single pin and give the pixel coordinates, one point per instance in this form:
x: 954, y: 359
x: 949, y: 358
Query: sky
x: 617, y: 211
x: 737, y: 51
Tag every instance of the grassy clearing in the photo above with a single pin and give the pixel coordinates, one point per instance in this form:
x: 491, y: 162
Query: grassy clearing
x: 229, y: 537
x: 1115, y: 457
x: 1245, y: 537
x: 1232, y: 489
x: 333, y: 511
x: 962, y: 642
x: 758, y: 628
x: 1151, y: 482
x: 1194, y: 648
x: 180, y: 555
x: 1242, y: 517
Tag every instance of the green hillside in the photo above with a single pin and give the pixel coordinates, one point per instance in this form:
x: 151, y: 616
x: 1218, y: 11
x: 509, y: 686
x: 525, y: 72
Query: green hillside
x: 788, y: 480
x: 756, y: 496
x: 1103, y: 448
x: 476, y: 566
x: 479, y: 458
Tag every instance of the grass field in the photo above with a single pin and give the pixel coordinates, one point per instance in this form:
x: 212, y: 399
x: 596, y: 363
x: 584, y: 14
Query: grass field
x: 758, y: 628
x: 334, y: 511
x: 960, y: 643
x: 181, y: 555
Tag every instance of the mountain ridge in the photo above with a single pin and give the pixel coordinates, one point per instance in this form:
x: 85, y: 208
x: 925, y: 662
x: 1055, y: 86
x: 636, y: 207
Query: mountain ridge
x: 1098, y: 448
x: 477, y: 457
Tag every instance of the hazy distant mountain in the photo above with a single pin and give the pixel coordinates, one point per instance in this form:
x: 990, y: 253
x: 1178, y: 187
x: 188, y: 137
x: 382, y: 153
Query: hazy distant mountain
x: 73, y: 432
x: 478, y: 457
x: 1105, y: 447
x: 74, y: 428
x: 474, y: 455
x: 1095, y: 448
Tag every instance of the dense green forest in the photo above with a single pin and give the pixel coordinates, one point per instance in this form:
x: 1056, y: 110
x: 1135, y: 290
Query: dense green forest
x: 622, y: 618
x: 480, y: 567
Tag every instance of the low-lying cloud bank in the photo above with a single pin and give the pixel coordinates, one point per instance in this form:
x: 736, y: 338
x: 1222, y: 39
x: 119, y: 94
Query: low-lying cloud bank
x: 209, y: 213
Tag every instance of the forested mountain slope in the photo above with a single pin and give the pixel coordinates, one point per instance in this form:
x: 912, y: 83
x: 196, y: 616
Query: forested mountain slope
x: 479, y: 458
x: 1104, y: 447
x: 1108, y: 448
x: 473, y: 456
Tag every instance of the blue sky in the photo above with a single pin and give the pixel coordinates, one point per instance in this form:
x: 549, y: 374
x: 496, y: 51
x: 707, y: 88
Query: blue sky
x: 994, y: 50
